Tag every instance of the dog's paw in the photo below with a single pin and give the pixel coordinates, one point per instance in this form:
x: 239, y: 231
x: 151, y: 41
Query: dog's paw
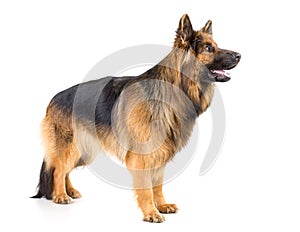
x: 73, y: 193
x: 154, y: 217
x: 167, y: 208
x: 62, y: 199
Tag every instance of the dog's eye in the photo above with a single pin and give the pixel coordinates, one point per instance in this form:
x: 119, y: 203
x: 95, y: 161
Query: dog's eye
x: 208, y: 48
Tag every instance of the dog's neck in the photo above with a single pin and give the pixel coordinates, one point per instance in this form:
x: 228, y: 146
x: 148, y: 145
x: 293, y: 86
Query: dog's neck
x: 182, y: 70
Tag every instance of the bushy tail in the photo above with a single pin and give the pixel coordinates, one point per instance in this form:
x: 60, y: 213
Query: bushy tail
x: 45, y: 186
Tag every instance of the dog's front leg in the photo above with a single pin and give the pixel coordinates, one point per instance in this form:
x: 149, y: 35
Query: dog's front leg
x: 158, y: 197
x: 146, y: 204
x: 142, y: 184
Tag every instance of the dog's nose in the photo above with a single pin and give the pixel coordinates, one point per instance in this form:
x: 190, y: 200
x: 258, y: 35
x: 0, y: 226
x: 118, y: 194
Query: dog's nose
x: 237, y: 56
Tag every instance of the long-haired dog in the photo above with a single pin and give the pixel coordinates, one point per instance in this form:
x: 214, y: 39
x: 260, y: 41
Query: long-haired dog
x: 143, y: 120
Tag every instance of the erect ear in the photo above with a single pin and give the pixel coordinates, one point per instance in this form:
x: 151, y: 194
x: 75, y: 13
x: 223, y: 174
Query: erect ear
x: 208, y: 27
x: 185, y: 29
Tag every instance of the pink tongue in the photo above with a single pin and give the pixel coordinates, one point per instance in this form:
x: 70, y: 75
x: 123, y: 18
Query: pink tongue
x: 221, y: 73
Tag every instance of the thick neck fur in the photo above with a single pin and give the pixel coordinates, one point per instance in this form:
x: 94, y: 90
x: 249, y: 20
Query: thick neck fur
x: 183, y: 70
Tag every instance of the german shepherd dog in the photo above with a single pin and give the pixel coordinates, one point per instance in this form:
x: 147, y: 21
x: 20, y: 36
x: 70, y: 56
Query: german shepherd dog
x: 142, y: 120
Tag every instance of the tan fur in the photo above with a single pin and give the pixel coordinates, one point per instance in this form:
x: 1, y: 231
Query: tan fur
x: 61, y: 151
x: 87, y: 143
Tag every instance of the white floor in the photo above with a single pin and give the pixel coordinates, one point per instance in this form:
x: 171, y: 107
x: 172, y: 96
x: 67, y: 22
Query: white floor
x: 226, y: 198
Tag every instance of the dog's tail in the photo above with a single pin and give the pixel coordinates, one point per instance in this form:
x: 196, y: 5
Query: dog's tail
x: 45, y: 186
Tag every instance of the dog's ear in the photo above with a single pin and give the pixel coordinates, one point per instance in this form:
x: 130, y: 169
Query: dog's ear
x: 185, y: 31
x: 208, y: 27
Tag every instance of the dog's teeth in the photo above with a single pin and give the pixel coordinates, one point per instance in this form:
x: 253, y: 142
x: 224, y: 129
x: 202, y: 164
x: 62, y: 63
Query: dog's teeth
x: 227, y: 74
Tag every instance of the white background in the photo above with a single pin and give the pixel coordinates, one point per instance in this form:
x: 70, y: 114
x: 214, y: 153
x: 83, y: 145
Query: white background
x: 254, y: 185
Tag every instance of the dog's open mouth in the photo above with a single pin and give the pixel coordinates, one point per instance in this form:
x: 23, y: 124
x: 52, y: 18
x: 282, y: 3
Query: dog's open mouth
x: 221, y: 75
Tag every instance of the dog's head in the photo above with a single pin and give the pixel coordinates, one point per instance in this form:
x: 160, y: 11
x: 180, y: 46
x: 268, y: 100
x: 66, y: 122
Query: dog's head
x: 202, y: 46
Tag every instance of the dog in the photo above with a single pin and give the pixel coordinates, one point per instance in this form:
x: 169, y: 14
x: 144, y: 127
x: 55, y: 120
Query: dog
x: 142, y: 120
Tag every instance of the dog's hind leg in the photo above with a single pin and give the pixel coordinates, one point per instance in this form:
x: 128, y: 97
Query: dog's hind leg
x: 71, y: 191
x: 59, y: 191
x: 64, y: 162
x: 61, y: 156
